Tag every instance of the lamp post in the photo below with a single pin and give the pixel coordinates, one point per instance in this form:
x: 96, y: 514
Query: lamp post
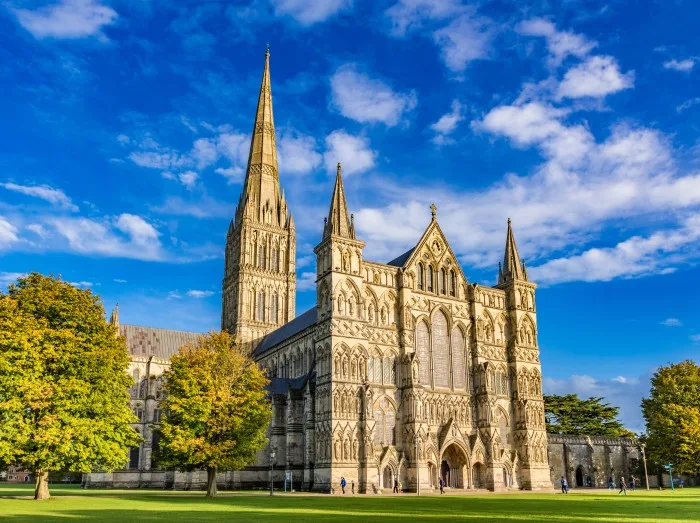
x: 644, y: 457
x: 417, y: 468
x: 272, y: 468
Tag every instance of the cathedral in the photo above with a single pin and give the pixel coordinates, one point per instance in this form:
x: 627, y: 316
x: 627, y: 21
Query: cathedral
x: 403, y: 371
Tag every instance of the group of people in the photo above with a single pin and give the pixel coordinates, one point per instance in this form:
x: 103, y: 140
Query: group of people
x: 611, y: 485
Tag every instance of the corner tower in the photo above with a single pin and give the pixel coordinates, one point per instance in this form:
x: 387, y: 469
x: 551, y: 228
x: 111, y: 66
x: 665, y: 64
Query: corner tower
x: 259, y: 286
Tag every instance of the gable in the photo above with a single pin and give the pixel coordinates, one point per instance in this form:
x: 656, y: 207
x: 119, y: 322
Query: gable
x: 433, y: 249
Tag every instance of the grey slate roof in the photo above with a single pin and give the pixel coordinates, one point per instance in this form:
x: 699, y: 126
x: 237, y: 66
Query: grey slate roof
x: 298, y: 324
x: 150, y: 341
x: 283, y: 385
x: 398, y: 262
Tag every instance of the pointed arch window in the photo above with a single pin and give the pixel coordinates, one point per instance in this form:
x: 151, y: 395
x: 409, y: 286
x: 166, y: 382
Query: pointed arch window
x: 261, y: 257
x: 421, y: 277
x: 261, y: 306
x: 273, y: 259
x: 273, y: 308
x: 430, y: 278
x: 443, y: 281
x: 423, y: 350
x: 453, y: 282
x: 458, y: 359
x: 441, y: 351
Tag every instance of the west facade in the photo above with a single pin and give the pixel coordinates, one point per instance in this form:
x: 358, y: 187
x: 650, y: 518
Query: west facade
x: 402, y: 372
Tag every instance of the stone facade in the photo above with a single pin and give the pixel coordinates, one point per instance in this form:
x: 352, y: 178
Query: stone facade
x: 588, y: 461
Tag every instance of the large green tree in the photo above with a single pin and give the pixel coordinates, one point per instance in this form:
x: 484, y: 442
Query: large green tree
x: 216, y: 412
x: 63, y: 383
x: 572, y: 415
x: 672, y: 414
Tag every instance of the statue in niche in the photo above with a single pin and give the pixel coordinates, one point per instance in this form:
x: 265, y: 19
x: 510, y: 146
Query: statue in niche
x: 336, y: 449
x: 346, y: 262
x: 355, y: 448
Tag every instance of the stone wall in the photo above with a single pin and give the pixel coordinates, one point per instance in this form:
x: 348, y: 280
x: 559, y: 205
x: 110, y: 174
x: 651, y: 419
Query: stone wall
x: 588, y: 461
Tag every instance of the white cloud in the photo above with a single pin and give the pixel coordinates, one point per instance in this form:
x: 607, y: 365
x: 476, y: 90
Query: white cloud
x: 125, y: 236
x: 8, y: 233
x: 597, y: 77
x: 687, y: 104
x: 298, y: 153
x: 37, y: 229
x: 82, y: 284
x: 174, y: 295
x: 309, y: 12
x: 232, y: 174
x: 119, y: 280
x: 67, y: 19
x: 307, y: 281
x: 166, y: 161
x: 465, y: 39
x: 684, y: 66
x: 10, y: 277
x: 560, y: 43
x: 368, y: 100
x: 199, y: 294
x: 408, y: 15
x: 447, y: 124
x: 188, y: 179
x: 123, y: 139
x: 43, y: 192
x: 622, y: 391
x: 353, y: 152
x: 672, y: 322
x: 695, y: 337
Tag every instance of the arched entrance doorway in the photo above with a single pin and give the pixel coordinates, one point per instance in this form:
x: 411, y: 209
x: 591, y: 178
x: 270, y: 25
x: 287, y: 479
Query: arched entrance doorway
x: 507, y: 478
x: 476, y: 475
x: 388, y: 477
x: 579, y: 476
x: 453, y: 467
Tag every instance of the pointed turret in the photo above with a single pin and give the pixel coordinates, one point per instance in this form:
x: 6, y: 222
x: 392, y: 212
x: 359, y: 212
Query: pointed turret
x: 114, y: 318
x: 261, y: 190
x: 339, y: 223
x: 512, y: 266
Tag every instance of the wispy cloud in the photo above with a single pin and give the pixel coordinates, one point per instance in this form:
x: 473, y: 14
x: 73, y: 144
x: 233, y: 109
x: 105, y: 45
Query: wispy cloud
x: 364, y: 99
x: 684, y: 66
x: 597, y: 77
x: 8, y: 233
x: 560, y: 44
x: 309, y: 12
x: 194, y: 293
x: 43, y: 192
x: 447, y: 124
x: 672, y: 322
x: 67, y: 19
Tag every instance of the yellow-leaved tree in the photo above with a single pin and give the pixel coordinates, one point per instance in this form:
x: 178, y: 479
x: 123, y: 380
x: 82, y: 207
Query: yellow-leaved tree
x: 64, y: 404
x: 216, y: 411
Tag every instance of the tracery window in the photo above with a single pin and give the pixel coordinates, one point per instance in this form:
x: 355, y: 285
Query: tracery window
x: 370, y: 369
x: 423, y: 350
x: 458, y: 359
x: 443, y: 281
x: 261, y: 257
x: 261, y: 306
x: 387, y: 371
x: 441, y: 351
x: 273, y: 259
x: 378, y: 369
x: 430, y: 278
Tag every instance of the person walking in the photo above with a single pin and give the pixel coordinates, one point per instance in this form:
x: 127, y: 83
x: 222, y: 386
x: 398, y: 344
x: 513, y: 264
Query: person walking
x: 623, y: 486
x: 633, y: 483
x: 396, y: 486
x: 611, y: 483
x: 352, y: 486
x: 442, y: 486
x: 400, y: 487
x: 343, y: 483
x: 564, y: 485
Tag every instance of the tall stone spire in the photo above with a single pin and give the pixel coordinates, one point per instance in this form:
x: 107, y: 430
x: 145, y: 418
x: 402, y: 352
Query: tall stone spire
x: 261, y: 192
x: 259, y: 286
x: 512, y: 266
x: 338, y: 223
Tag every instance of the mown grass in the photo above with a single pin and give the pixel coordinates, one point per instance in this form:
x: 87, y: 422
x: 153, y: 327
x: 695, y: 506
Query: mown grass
x: 70, y: 502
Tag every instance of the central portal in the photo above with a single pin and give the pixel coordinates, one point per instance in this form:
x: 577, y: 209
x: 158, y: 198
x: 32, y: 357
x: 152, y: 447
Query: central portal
x: 453, y: 467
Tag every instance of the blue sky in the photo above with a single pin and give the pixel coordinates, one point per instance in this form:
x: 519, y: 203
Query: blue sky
x: 126, y: 130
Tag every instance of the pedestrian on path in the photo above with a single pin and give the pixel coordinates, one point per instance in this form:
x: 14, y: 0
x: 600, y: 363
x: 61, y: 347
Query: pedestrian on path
x: 400, y: 487
x: 442, y: 486
x: 611, y: 483
x: 343, y: 483
x: 396, y: 486
x: 352, y: 486
x: 623, y: 486
x: 633, y: 483
x: 564, y: 485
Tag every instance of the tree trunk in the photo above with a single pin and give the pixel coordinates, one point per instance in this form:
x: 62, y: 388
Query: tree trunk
x: 41, y: 490
x: 211, y: 482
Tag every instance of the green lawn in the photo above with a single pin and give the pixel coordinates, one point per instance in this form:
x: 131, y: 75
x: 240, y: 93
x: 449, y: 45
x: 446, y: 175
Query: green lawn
x: 69, y: 502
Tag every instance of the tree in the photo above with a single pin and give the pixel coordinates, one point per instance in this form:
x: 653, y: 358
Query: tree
x: 672, y: 414
x: 216, y: 411
x: 63, y: 383
x: 572, y: 415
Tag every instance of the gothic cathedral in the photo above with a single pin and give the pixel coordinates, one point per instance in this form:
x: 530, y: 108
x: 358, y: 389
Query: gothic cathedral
x: 403, y: 371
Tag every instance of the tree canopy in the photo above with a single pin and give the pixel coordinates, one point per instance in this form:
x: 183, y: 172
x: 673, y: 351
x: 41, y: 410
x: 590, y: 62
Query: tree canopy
x: 63, y: 383
x: 216, y: 412
x: 672, y: 414
x: 575, y: 416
